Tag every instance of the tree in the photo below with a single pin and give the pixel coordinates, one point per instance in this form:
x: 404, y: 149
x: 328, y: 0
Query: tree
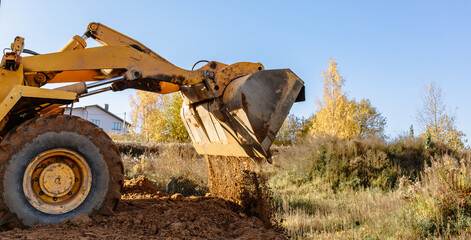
x: 411, y: 131
x: 293, y: 128
x: 436, y: 122
x: 341, y: 117
x: 332, y: 117
x: 157, y: 116
x: 367, y: 119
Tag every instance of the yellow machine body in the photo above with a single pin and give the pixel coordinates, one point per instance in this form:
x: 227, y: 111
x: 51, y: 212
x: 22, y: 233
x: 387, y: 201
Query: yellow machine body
x: 228, y: 110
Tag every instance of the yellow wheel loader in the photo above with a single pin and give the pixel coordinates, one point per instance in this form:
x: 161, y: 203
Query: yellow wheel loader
x: 55, y: 166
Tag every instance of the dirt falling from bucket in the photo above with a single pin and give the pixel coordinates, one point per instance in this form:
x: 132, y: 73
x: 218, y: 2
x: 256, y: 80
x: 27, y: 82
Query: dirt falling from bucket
x: 241, y: 181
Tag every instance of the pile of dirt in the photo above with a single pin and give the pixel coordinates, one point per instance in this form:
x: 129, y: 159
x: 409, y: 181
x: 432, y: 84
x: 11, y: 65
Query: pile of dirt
x: 140, y: 186
x: 153, y: 215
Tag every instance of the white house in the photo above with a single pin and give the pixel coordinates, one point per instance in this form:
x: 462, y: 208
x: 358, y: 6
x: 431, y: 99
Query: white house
x: 101, y: 117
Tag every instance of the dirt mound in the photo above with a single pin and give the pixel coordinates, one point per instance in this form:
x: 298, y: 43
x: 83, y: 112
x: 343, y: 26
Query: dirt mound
x: 140, y: 186
x: 154, y: 215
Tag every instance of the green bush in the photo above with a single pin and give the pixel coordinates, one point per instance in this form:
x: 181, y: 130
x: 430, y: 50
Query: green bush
x: 362, y: 162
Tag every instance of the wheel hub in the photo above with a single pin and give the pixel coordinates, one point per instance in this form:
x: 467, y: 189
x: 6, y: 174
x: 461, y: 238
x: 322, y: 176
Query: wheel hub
x: 57, y: 181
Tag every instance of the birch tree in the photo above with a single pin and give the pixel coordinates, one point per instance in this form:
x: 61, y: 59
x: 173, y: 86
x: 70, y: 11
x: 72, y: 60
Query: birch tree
x: 332, y: 117
x: 436, y: 121
x: 341, y: 117
x: 338, y: 116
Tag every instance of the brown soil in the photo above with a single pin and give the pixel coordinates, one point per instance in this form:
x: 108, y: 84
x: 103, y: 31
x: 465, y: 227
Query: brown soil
x: 145, y: 212
x: 241, y: 181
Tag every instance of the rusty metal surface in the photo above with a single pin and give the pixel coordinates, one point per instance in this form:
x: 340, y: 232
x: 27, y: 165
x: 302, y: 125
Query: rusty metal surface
x: 215, y: 83
x: 224, y: 76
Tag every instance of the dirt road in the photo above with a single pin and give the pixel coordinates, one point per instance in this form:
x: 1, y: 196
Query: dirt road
x: 144, y: 212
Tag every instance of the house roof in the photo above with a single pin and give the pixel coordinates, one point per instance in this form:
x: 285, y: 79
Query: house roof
x: 104, y: 110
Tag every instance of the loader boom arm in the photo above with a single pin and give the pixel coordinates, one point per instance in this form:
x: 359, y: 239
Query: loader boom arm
x: 120, y: 55
x: 240, y: 106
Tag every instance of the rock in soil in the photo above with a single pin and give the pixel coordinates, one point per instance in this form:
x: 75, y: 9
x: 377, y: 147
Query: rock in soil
x: 81, y: 220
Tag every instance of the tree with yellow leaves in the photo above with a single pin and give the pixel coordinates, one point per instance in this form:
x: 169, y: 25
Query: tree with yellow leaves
x: 436, y: 122
x: 338, y: 116
x: 332, y: 117
x: 367, y: 119
x: 157, y: 116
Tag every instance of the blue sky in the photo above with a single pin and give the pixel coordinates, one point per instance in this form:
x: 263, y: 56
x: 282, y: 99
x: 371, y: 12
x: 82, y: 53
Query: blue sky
x: 385, y: 50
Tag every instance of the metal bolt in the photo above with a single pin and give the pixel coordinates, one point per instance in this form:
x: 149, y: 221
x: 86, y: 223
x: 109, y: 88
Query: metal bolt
x: 137, y: 74
x: 69, y: 193
x: 36, y: 179
x: 41, y: 193
x: 211, y: 74
x: 54, y: 198
x: 93, y: 27
x: 76, y: 179
x: 40, y: 78
x: 71, y: 165
x: 213, y: 65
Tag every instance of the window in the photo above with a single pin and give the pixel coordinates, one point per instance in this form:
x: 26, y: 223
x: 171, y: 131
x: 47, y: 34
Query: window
x: 116, y: 126
x: 96, y: 122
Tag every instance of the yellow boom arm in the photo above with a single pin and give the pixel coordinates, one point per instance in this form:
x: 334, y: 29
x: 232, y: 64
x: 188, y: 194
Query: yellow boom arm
x: 238, y: 105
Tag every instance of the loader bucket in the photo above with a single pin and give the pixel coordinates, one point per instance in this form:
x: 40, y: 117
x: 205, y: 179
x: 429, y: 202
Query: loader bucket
x: 245, y: 120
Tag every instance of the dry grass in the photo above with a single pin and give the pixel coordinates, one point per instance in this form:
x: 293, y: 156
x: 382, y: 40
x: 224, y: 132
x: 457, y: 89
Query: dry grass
x: 329, y: 189
x: 312, y: 209
x: 440, y: 204
x: 172, y: 167
x: 435, y: 204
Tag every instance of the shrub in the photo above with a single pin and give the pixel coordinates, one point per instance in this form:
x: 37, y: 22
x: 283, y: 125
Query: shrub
x: 441, y: 202
x: 360, y: 162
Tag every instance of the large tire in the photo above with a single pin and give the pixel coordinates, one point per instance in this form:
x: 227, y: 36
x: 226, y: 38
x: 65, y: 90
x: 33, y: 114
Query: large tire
x: 24, y: 144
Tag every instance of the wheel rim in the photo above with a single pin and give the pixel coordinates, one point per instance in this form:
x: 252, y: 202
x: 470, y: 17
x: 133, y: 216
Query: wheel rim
x: 57, y: 181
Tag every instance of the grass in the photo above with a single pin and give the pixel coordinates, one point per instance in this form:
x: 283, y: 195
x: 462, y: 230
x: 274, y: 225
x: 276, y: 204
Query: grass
x: 172, y: 167
x: 364, y: 189
x: 313, y: 210
x: 329, y: 188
